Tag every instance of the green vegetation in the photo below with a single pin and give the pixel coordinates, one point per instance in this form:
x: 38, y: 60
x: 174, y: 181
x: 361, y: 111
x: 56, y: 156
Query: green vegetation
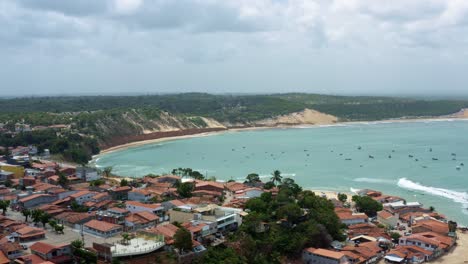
x: 4, y: 206
x: 80, y: 254
x: 283, y: 225
x: 342, y: 197
x: 183, y: 239
x: 188, y: 172
x: 100, y: 120
x: 367, y: 205
x: 185, y: 189
x: 221, y: 255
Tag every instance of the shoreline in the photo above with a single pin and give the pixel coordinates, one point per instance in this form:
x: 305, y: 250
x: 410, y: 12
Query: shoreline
x: 280, y: 126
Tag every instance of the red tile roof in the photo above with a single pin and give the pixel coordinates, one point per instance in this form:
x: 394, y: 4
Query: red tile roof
x: 102, y: 226
x: 44, y: 248
x: 325, y: 253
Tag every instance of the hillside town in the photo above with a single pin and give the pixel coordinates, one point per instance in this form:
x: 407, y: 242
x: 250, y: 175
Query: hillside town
x: 56, y: 213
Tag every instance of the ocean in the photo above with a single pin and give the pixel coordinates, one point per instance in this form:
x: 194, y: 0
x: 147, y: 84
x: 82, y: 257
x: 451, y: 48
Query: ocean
x: 425, y: 161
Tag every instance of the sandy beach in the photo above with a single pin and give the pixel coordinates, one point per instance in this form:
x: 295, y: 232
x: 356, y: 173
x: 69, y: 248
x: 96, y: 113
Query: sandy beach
x: 458, y: 254
x: 332, y: 194
x: 152, y: 141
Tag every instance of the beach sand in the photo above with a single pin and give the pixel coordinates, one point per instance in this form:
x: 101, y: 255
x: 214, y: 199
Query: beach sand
x: 332, y: 194
x: 458, y: 254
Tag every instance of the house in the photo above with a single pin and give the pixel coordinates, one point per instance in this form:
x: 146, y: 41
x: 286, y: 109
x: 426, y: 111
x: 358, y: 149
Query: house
x: 430, y: 225
x: 140, y: 195
x: 35, y: 200
x: 408, y: 254
x: 370, y: 251
x: 82, y: 196
x: 87, y: 174
x: 102, y: 229
x: 428, y: 241
x: 366, y: 229
x: 211, y: 187
x: 74, y: 219
x: 11, y: 250
x: 3, y: 258
x: 138, y: 220
x: 52, y: 253
x: 113, y: 215
x: 199, y: 230
x: 6, y: 175
x: 387, y: 219
x: 323, y: 256
x: 167, y: 230
x: 347, y: 216
x: 28, y: 233
x: 134, y: 207
x: 27, y: 181
x: 120, y: 193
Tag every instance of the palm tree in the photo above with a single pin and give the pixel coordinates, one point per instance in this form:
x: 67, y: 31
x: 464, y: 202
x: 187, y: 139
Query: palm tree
x: 276, y: 177
x: 26, y: 213
x: 108, y: 171
x: 59, y: 229
x: 4, y: 206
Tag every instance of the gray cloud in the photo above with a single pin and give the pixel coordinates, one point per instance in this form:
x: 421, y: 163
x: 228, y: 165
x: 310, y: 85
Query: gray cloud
x: 242, y: 45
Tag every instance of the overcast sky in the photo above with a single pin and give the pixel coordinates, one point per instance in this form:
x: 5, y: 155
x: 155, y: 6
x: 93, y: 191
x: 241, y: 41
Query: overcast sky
x: 417, y: 47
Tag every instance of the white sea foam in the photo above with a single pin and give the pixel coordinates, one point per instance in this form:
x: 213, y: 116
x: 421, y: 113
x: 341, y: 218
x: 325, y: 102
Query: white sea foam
x: 459, y: 197
x: 372, y: 180
x: 354, y: 190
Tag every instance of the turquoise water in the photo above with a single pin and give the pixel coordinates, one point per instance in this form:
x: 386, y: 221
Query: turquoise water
x: 316, y: 157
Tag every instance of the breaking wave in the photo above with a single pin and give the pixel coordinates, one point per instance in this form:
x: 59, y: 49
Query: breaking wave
x: 371, y: 180
x: 459, y: 197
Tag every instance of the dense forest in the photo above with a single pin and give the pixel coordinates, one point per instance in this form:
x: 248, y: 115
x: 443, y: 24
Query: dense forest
x: 104, y: 118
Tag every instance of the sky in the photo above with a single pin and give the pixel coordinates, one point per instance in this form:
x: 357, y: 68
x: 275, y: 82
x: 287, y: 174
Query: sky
x: 397, y: 47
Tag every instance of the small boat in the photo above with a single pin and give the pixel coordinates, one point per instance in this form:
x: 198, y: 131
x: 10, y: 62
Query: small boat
x: 393, y: 150
x: 461, y: 164
x: 371, y: 157
x: 435, y: 159
x: 416, y: 160
x: 458, y: 167
x: 453, y: 154
x: 430, y: 150
x: 359, y: 148
x: 425, y: 167
x: 454, y: 159
x: 341, y: 154
x: 389, y: 156
x: 410, y: 156
x: 348, y: 159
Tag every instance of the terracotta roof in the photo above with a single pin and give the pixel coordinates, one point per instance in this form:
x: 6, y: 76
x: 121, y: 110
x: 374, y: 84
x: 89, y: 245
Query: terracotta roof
x: 74, y: 217
x: 200, y: 184
x: 101, y: 225
x: 44, y: 248
x: 3, y: 258
x: 30, y: 231
x: 168, y: 231
x: 80, y: 193
x: 32, y: 197
x: 177, y: 202
x: 100, y: 195
x: 433, y: 225
x: 325, y: 253
x: 139, y: 204
x: 236, y: 186
x: 142, y: 217
x: 119, y: 210
x: 384, y: 214
x: 122, y: 189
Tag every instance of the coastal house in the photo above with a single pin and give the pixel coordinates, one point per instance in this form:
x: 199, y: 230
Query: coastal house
x: 87, y: 174
x: 140, y: 195
x: 82, y: 196
x: 113, y: 215
x: 35, y: 200
x: 347, y: 216
x: 101, y: 228
x: 167, y: 230
x: 134, y: 206
x: 210, y: 187
x: 368, y: 252
x: 408, y: 254
x: 120, y: 193
x: 387, y: 219
x: 323, y: 256
x: 11, y: 250
x: 428, y: 241
x: 28, y: 233
x: 74, y: 219
x: 53, y: 253
x: 430, y: 225
x: 138, y: 220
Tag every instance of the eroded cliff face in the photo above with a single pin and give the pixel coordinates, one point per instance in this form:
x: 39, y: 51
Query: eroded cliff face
x: 134, y: 126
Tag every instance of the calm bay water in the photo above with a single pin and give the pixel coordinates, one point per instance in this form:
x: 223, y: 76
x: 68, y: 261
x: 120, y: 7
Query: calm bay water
x: 327, y: 158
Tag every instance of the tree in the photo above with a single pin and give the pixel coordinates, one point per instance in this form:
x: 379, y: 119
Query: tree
x: 26, y: 213
x: 4, y: 206
x: 52, y: 223
x: 256, y: 205
x: 367, y: 205
x: 342, y: 197
x: 36, y: 215
x: 431, y: 208
x: 125, y: 238
x: 59, y: 229
x: 222, y: 254
x: 185, y: 189
x: 183, y: 239
x: 268, y: 185
x: 45, y: 217
x: 291, y: 212
x: 63, y: 179
x: 124, y: 182
x: 107, y: 171
x: 293, y: 188
x: 252, y: 178
x: 276, y: 177
x: 395, y: 236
